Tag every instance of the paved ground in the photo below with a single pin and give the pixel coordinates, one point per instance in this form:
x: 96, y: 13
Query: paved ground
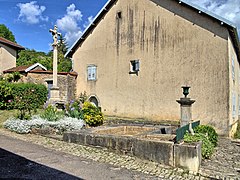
x: 21, y: 159
x: 70, y: 161
x: 225, y: 163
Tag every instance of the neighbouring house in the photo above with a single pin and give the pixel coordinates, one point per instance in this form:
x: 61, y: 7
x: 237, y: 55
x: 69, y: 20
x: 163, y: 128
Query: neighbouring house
x: 136, y: 55
x: 37, y: 73
x: 8, y: 54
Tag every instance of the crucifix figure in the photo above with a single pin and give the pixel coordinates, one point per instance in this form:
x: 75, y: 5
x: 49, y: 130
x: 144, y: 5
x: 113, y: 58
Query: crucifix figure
x: 55, y: 35
x: 54, y: 92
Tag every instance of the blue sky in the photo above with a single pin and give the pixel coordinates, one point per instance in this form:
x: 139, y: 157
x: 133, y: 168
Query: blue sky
x: 30, y: 21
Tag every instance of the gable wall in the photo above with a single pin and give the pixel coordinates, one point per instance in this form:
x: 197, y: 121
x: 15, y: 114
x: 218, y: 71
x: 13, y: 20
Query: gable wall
x: 7, y: 57
x: 175, y: 47
x: 234, y: 84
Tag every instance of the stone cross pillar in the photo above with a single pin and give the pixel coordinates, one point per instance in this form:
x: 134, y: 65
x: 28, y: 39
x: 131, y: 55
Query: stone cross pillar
x: 54, y: 92
x: 186, y: 111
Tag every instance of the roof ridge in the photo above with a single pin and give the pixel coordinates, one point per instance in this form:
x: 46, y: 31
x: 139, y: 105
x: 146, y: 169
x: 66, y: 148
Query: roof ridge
x: 8, y: 42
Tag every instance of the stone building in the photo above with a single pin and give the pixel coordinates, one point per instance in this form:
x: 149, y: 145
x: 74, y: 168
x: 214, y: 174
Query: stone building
x: 8, y: 54
x: 37, y: 73
x: 136, y: 55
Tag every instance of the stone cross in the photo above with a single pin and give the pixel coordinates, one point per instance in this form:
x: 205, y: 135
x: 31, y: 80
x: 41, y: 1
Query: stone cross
x: 54, y: 92
x: 55, y: 35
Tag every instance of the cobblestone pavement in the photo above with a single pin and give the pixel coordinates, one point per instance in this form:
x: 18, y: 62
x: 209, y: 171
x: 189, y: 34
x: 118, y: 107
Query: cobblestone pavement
x: 223, y: 165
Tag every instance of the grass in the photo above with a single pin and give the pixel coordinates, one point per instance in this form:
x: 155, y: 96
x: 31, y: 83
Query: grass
x: 5, y: 114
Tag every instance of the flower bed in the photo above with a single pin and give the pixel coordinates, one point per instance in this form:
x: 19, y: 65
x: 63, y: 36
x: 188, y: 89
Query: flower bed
x: 36, y: 122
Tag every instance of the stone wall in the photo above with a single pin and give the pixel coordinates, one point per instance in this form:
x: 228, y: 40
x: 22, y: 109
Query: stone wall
x: 66, y: 83
x: 187, y: 156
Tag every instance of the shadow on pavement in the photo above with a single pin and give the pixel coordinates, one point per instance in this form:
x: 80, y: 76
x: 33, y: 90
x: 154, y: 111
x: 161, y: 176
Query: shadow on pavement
x: 13, y: 166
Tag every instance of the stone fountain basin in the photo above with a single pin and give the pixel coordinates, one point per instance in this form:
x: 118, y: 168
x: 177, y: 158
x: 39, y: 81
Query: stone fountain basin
x: 154, y: 143
x: 143, y: 141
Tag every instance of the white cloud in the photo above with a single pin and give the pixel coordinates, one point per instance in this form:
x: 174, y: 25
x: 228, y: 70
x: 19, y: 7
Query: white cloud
x: 31, y: 12
x: 229, y: 9
x: 70, y: 23
x: 89, y: 21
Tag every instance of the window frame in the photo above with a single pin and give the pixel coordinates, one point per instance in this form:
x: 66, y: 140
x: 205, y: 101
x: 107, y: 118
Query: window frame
x: 92, y: 69
x: 134, y: 67
x: 234, y: 105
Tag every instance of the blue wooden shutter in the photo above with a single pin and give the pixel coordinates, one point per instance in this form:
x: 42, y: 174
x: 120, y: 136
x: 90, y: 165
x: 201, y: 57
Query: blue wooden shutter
x: 233, y: 105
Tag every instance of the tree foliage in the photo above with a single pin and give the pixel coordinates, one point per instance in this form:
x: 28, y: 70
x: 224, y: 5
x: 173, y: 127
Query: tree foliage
x: 6, y: 33
x: 28, y: 57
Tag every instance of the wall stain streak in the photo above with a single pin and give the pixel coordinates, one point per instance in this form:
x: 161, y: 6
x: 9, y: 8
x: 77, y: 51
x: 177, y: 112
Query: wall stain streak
x: 156, y: 37
x: 163, y: 34
x: 130, y: 33
x: 118, y: 22
x: 142, y: 40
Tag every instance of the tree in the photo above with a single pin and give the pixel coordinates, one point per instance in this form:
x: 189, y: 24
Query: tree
x: 64, y: 64
x: 28, y: 57
x: 6, y: 33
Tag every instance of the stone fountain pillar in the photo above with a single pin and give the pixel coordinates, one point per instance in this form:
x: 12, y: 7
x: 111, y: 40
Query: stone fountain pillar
x: 186, y: 109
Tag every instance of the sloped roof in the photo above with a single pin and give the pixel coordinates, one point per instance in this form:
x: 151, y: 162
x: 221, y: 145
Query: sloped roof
x: 11, y: 44
x: 231, y: 27
x: 17, y: 69
x: 26, y: 68
x: 51, y: 72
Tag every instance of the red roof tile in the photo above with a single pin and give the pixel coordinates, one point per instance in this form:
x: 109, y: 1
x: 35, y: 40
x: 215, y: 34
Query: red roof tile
x: 17, y: 69
x: 10, y: 43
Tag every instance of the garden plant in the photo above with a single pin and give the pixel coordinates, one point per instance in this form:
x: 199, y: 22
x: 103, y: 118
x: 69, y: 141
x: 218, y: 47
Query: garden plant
x: 77, y: 113
x: 207, y: 135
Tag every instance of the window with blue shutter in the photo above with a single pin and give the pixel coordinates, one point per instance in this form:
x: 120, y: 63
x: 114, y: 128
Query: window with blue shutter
x: 233, y: 69
x: 233, y: 105
x: 134, y: 67
x: 92, y: 73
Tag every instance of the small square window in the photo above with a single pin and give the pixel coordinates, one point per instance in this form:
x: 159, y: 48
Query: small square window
x: 119, y: 15
x: 92, y: 73
x: 134, y: 66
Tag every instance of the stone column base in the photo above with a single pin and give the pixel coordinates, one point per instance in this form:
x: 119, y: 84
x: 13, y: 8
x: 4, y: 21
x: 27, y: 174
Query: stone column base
x: 54, y: 95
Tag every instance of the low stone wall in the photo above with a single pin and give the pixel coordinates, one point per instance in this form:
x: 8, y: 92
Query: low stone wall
x: 66, y: 82
x: 163, y: 152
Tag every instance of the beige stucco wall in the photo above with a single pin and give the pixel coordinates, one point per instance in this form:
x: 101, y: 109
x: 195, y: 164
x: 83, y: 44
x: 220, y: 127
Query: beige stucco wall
x: 175, y: 46
x: 234, y: 84
x: 7, y: 57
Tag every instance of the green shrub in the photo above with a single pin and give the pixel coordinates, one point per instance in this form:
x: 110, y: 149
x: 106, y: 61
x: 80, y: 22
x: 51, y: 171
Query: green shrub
x: 74, y: 109
x: 85, y: 110
x: 237, y: 134
x: 83, y: 97
x: 5, y: 96
x: 16, y: 76
x: 210, y: 131
x: 207, y: 145
x: 92, y: 115
x: 27, y: 97
x: 51, y: 113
